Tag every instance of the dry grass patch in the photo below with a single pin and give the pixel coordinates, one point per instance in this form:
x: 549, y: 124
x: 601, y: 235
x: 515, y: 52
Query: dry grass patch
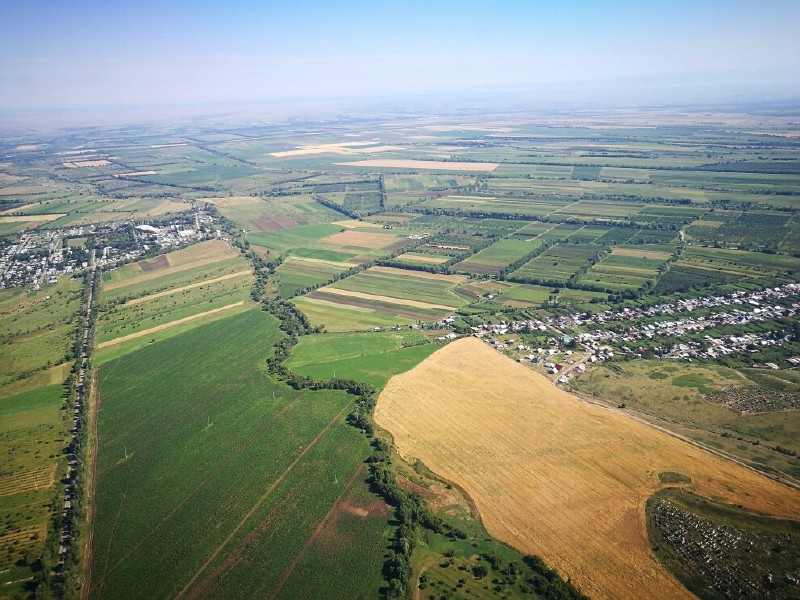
x: 433, y: 165
x: 553, y: 475
x: 354, y: 223
x: 641, y: 253
x: 31, y: 218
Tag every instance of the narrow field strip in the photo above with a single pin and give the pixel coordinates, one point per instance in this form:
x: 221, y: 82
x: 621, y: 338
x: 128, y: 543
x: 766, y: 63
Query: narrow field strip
x: 139, y: 334
x: 191, y: 286
x: 388, y: 299
x: 261, y: 500
x: 169, y: 270
x: 417, y: 274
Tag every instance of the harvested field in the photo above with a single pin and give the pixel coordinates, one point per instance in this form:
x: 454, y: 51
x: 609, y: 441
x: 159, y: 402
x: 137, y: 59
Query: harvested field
x: 419, y: 274
x: 434, y: 165
x: 310, y: 150
x: 378, y: 298
x: 353, y: 223
x: 360, y: 239
x: 152, y: 330
x: 555, y: 476
x: 87, y: 163
x: 136, y: 174
x: 232, y: 201
x: 31, y: 218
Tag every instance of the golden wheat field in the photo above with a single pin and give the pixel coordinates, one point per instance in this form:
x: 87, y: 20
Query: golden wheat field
x: 553, y: 475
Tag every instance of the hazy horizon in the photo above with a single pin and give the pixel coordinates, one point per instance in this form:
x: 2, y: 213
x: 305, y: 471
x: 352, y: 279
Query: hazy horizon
x: 62, y: 56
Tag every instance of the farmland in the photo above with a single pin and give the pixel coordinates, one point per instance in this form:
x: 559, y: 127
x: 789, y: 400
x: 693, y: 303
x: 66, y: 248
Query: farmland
x: 424, y: 227
x: 557, y: 264
x: 151, y: 491
x: 381, y: 297
x: 467, y: 413
x: 171, y: 288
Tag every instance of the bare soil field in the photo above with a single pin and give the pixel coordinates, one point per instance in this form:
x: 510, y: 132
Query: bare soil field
x: 433, y: 165
x: 553, y: 475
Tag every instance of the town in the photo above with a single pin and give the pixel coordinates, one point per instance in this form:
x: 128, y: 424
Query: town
x: 41, y: 257
x: 663, y: 331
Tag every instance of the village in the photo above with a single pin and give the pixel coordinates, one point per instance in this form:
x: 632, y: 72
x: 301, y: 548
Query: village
x: 568, y: 344
x: 41, y: 257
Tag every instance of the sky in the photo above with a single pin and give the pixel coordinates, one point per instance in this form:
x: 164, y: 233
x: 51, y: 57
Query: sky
x: 83, y: 54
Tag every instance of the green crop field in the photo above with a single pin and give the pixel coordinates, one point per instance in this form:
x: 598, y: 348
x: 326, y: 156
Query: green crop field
x: 497, y: 256
x: 296, y: 274
x: 166, y: 468
x: 557, y: 264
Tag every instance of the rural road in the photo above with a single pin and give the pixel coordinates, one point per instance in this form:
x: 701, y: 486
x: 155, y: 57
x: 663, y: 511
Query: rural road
x: 65, y: 539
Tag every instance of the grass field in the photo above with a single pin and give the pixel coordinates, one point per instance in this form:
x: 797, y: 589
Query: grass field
x: 237, y: 485
x: 675, y: 395
x: 372, y: 357
x: 38, y: 329
x: 553, y: 475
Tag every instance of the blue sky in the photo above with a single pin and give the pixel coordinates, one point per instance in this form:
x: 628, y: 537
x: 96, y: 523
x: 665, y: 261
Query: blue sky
x: 58, y: 53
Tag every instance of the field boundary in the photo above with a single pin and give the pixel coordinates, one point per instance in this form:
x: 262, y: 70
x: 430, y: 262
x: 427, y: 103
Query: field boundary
x: 190, y: 286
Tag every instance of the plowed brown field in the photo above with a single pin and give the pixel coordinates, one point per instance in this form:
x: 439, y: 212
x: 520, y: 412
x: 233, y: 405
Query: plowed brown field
x: 553, y: 475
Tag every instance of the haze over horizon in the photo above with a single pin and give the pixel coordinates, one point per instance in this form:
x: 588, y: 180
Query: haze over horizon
x: 56, y: 55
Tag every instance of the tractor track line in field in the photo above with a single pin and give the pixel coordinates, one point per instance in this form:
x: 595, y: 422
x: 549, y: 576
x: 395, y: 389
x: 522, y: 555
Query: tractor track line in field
x: 312, y: 538
x: 261, y: 430
x: 260, y: 501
